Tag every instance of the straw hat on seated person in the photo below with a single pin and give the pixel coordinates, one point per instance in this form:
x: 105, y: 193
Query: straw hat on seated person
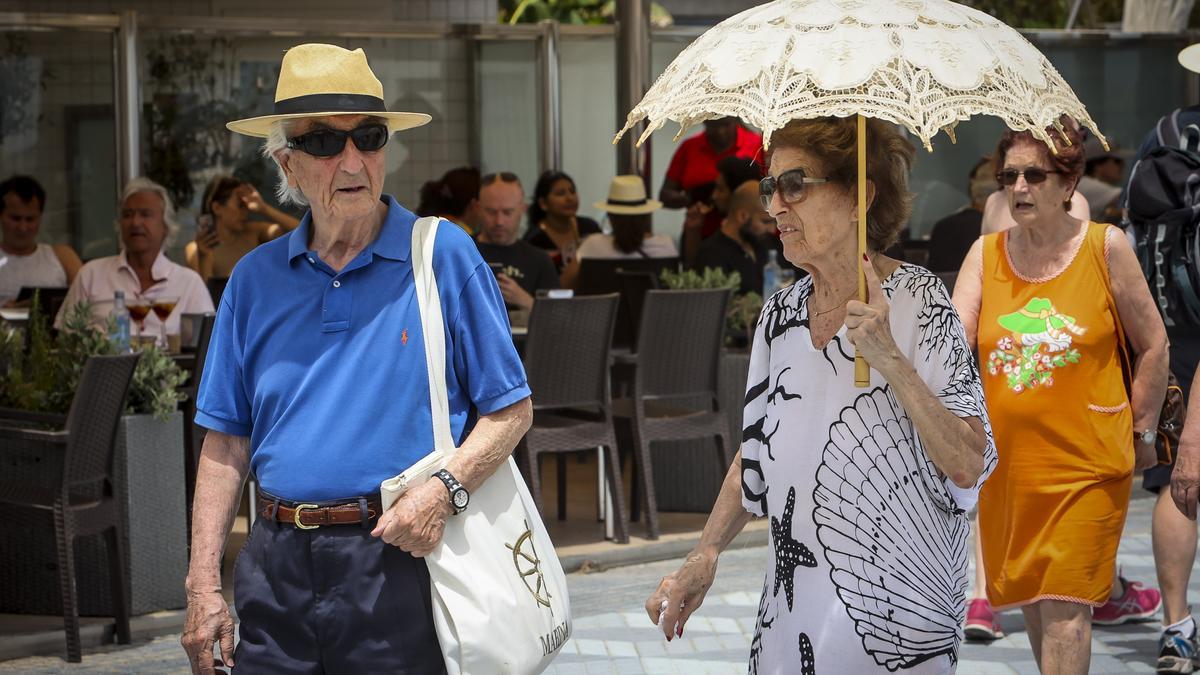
x: 627, y: 197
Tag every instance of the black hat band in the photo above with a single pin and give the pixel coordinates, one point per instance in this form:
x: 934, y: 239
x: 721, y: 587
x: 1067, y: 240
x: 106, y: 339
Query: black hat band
x: 628, y: 202
x: 329, y: 103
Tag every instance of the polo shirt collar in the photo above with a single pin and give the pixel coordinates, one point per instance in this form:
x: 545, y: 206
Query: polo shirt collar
x: 160, y: 269
x: 394, y: 240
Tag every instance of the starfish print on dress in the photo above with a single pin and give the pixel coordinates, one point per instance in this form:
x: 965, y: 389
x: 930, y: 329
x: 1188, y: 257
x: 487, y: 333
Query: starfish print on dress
x: 789, y: 553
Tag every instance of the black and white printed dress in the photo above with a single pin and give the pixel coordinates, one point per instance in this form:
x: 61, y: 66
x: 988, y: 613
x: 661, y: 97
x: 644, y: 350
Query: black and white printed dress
x: 868, y: 568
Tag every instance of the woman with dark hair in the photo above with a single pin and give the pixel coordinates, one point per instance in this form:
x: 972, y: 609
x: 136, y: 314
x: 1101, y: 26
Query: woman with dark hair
x: 554, y: 225
x: 225, y: 231
x: 629, y: 213
x: 455, y: 197
x: 1044, y: 303
x: 866, y: 489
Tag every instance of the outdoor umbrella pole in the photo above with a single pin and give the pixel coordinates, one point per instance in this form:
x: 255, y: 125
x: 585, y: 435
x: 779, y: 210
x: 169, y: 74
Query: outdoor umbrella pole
x: 862, y: 370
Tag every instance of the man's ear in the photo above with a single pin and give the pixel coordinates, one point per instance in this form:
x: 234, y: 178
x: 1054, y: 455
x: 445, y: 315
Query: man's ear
x: 283, y: 158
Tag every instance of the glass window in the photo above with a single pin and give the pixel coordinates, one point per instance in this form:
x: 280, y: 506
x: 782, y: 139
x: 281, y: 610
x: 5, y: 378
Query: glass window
x: 57, y: 125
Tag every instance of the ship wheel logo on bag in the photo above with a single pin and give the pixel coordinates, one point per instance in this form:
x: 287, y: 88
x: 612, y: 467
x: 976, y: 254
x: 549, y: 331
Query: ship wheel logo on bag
x: 529, y: 566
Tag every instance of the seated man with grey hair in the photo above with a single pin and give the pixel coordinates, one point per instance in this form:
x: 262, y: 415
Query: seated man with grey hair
x: 316, y: 380
x: 146, y: 224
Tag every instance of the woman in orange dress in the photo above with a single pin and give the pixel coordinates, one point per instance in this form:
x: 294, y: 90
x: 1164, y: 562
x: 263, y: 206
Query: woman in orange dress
x: 1042, y: 302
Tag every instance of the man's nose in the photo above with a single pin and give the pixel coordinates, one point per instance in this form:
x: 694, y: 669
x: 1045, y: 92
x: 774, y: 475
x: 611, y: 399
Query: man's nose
x: 351, y: 160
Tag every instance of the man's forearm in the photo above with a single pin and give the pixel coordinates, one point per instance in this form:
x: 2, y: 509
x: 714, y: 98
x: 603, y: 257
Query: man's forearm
x: 224, y: 462
x: 490, y: 443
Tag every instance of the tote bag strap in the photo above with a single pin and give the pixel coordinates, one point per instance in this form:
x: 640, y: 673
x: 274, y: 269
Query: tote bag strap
x: 433, y: 330
x: 1124, y: 354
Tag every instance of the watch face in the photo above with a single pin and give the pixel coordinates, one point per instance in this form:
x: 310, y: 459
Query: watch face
x: 460, y: 499
x: 1148, y: 436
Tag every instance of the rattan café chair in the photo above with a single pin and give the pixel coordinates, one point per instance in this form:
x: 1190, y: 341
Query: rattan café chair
x: 567, y: 364
x: 675, y: 393
x: 81, y: 500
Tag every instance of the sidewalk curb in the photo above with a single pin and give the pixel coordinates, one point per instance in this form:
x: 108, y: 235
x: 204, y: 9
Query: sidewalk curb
x: 653, y: 552
x: 91, y: 635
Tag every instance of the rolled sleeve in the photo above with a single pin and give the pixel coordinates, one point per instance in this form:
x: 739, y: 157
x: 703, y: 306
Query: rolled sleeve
x: 485, y: 360
x: 222, y: 404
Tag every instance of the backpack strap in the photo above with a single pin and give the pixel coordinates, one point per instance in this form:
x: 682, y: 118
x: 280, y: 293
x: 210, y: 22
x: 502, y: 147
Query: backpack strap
x: 1168, y: 129
x: 1189, y: 141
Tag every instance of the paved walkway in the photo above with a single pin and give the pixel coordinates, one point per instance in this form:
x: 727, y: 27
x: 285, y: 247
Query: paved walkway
x: 613, y: 635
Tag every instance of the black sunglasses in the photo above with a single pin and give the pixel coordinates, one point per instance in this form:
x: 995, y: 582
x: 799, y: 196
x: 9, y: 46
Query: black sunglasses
x: 331, y: 142
x: 1033, y: 176
x: 790, y: 185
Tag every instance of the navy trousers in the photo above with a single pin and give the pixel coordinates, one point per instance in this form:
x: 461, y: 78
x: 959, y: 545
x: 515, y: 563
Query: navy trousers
x: 331, y: 600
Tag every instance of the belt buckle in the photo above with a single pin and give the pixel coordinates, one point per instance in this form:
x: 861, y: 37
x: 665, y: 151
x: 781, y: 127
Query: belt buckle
x: 296, y: 516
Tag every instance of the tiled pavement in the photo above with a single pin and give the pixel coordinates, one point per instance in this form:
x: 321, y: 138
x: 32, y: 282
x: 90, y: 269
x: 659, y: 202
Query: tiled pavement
x: 613, y: 634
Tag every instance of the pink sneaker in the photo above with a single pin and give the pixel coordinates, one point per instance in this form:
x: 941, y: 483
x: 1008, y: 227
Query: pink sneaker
x: 981, y: 625
x: 1137, y: 603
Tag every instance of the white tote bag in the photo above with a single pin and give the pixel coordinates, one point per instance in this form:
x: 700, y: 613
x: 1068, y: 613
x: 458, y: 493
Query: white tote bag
x: 500, y: 601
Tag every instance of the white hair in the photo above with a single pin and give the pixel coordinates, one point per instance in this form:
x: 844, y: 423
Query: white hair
x: 275, y: 144
x: 143, y: 184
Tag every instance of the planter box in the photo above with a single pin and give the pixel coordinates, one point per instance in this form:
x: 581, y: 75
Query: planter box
x: 685, y: 472
x: 148, y: 467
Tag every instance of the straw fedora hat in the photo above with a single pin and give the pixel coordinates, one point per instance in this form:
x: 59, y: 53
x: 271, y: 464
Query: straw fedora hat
x: 316, y: 80
x: 627, y: 196
x: 1189, y: 57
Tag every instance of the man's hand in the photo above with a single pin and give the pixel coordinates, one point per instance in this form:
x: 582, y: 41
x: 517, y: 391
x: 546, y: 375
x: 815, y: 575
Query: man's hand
x: 1185, y: 479
x: 1144, y: 455
x: 694, y: 218
x: 416, y: 521
x: 513, y: 293
x: 208, y: 623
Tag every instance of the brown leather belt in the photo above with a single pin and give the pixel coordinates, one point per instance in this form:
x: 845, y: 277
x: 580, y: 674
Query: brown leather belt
x: 312, y: 516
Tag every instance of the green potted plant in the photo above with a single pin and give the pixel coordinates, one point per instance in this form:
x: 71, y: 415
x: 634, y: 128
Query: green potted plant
x: 743, y: 309
x: 38, y: 376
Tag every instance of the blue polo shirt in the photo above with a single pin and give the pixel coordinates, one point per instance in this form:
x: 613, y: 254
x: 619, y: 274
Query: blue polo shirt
x: 325, y: 371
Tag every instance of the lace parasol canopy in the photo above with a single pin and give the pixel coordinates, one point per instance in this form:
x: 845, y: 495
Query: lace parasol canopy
x: 923, y: 64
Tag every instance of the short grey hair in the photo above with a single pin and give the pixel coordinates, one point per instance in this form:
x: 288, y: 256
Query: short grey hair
x: 277, y: 142
x: 143, y: 184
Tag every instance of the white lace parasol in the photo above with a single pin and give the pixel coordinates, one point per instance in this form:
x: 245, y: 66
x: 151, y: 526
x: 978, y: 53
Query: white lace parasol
x: 922, y: 64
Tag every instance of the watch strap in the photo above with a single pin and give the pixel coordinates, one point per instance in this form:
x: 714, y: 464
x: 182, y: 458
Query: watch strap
x: 452, y: 487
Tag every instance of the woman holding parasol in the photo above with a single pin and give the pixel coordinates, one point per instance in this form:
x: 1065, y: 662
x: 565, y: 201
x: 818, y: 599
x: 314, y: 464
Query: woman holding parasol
x: 867, y: 489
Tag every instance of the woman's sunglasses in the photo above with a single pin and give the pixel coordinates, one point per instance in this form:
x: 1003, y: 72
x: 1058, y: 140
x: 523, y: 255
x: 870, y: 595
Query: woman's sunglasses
x: 790, y: 185
x: 330, y: 142
x: 1033, y: 176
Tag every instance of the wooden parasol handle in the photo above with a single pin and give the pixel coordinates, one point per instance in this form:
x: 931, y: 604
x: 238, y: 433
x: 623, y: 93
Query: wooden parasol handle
x: 862, y: 371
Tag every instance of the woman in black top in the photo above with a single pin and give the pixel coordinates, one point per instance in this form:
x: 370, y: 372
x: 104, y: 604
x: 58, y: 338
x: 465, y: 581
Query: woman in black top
x: 554, y: 226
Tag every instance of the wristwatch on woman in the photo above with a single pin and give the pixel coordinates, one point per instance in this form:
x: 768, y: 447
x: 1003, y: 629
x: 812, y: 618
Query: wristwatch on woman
x: 1148, y: 436
x: 459, y: 497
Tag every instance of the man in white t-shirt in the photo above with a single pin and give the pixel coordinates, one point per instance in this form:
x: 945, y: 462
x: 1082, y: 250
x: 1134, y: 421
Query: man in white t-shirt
x: 23, y: 261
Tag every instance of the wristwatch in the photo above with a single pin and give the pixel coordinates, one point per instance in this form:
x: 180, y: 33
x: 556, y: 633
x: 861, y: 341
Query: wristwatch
x: 1148, y: 436
x: 459, y: 497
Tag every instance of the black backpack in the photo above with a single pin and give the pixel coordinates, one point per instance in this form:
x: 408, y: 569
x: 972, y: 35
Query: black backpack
x: 1163, y: 202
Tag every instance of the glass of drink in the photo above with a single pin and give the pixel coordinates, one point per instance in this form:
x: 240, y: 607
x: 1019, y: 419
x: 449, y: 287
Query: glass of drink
x: 162, y: 308
x: 139, y: 309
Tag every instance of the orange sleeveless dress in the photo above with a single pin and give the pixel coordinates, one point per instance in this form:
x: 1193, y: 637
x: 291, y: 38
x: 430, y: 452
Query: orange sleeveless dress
x: 1051, y: 514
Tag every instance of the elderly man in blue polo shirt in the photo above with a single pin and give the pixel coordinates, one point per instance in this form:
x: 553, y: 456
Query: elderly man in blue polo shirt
x: 316, y: 381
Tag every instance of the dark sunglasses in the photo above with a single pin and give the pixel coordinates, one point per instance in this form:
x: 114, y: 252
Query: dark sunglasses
x: 790, y: 185
x: 331, y: 142
x: 1033, y: 176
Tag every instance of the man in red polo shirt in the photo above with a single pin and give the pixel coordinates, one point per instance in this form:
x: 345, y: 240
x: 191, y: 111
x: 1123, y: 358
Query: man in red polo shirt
x: 693, y: 169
